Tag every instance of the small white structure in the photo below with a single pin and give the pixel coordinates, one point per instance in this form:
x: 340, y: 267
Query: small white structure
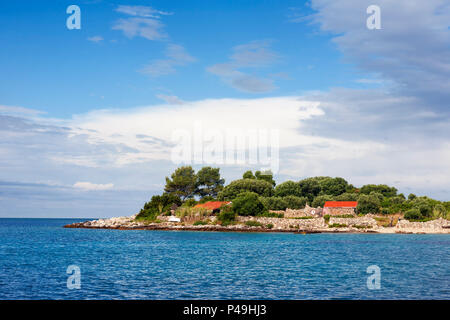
x: 174, y: 219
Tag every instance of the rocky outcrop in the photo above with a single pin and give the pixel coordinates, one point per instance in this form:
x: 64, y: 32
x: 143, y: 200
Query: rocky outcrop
x: 266, y: 224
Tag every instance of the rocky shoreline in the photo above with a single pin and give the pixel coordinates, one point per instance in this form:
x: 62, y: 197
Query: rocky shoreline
x: 366, y: 224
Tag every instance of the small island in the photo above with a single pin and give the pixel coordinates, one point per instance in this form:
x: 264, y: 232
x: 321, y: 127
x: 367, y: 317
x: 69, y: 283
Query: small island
x: 201, y: 202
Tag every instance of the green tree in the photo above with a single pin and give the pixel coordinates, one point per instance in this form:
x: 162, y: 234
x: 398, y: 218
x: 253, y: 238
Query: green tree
x: 368, y: 204
x: 333, y: 186
x: 413, y: 214
x: 248, y: 175
x: 439, y: 211
x: 274, y: 203
x: 310, y: 187
x: 248, y: 204
x: 319, y: 201
x: 231, y: 191
x: 288, y: 188
x: 412, y: 196
x: 385, y: 190
x: 347, y: 197
x: 266, y: 176
x: 294, y: 202
x: 209, y: 182
x: 183, y: 183
x: 158, y: 205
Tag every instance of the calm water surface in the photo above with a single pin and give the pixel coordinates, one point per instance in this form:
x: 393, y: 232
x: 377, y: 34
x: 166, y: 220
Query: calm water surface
x: 35, y: 253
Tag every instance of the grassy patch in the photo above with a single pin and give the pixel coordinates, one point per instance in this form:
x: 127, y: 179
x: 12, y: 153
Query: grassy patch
x: 337, y: 225
x: 344, y: 216
x: 253, y: 223
x: 357, y: 226
x: 303, y: 218
x: 271, y: 215
x: 200, y: 223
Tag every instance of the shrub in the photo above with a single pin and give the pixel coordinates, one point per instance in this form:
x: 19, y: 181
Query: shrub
x: 200, y: 223
x: 260, y: 187
x: 368, y: 204
x: 439, y: 211
x: 294, y: 202
x: 271, y: 215
x: 288, y: 188
x: 157, y: 205
x: 347, y: 197
x: 319, y: 201
x: 226, y: 216
x: 190, y: 203
x: 326, y: 218
x: 248, y: 204
x: 337, y: 225
x: 253, y: 223
x: 274, y: 203
x: 385, y: 190
x: 333, y: 186
x: 413, y: 214
x: 269, y: 226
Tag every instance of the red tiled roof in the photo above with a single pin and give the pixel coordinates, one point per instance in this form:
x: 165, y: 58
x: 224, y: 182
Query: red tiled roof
x: 340, y: 204
x: 211, y: 205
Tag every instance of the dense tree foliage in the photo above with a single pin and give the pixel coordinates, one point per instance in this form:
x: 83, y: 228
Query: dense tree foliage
x: 248, y: 204
x: 183, y: 183
x: 260, y: 187
x: 256, y: 193
x: 209, y: 183
x: 158, y: 205
x: 288, y: 188
x: 368, y: 204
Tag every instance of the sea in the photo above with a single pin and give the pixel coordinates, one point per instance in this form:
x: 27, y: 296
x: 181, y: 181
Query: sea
x: 39, y: 259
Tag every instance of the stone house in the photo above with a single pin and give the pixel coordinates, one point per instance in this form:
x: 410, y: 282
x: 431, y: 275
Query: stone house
x: 338, y: 208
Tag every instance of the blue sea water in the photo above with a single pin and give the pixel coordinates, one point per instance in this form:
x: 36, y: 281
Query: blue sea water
x: 116, y: 264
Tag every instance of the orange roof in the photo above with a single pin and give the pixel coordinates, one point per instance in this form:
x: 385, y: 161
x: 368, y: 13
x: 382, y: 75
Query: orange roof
x: 211, y: 205
x: 340, y: 204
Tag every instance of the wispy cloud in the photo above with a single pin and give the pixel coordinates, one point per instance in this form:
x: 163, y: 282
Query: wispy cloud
x: 144, y: 22
x: 170, y: 99
x: 95, y: 39
x: 142, y: 11
x: 89, y: 186
x: 256, y: 54
x: 411, y: 48
x: 176, y: 55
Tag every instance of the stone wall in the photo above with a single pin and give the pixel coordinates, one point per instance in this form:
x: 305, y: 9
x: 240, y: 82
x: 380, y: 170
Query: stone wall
x: 357, y: 221
x: 298, y: 213
x: 338, y: 211
x: 285, y: 223
x: 429, y: 226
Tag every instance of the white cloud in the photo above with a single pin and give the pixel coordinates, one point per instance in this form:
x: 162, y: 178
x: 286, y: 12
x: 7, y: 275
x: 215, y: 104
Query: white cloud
x: 144, y: 22
x: 169, y: 99
x: 15, y: 110
x: 411, y: 48
x: 176, y: 56
x: 96, y: 39
x: 256, y: 54
x: 147, y: 28
x: 141, y: 11
x: 89, y: 186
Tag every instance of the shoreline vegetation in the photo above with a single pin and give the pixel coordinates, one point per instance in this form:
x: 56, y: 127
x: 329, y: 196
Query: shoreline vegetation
x: 201, y: 202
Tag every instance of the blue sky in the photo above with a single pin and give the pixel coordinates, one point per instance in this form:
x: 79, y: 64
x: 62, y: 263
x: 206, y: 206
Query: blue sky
x: 87, y: 117
x: 65, y: 73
